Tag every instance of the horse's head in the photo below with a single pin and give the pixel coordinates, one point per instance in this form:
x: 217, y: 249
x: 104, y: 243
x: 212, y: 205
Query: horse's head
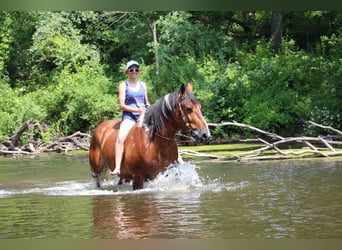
x: 190, y: 110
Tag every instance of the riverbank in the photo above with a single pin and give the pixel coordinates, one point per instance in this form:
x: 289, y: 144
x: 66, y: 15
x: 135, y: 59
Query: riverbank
x: 249, y: 151
x: 236, y: 151
x: 268, y: 146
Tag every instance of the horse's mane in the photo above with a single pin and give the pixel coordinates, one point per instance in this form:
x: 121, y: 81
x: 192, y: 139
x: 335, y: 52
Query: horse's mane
x: 162, y: 110
x: 158, y: 112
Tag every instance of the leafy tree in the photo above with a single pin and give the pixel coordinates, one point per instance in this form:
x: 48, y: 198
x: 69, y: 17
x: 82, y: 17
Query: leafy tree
x: 327, y: 95
x: 57, y: 45
x: 16, y: 29
x: 9, y: 102
x: 272, y: 71
x: 5, y: 37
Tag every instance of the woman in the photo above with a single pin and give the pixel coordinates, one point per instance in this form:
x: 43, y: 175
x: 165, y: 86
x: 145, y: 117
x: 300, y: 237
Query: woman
x: 133, y: 101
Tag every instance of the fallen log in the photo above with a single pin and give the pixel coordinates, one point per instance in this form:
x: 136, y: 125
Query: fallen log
x: 16, y: 137
x: 79, y: 140
x: 12, y: 143
x: 326, y: 127
x: 327, y: 151
x: 234, y: 123
x: 197, y: 154
x: 76, y: 141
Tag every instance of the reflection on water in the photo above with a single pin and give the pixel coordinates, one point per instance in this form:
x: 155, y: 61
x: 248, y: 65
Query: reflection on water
x: 148, y: 216
x: 55, y: 197
x: 167, y: 208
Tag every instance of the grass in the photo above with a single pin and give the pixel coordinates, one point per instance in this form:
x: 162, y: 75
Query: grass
x: 226, y: 151
x: 235, y: 151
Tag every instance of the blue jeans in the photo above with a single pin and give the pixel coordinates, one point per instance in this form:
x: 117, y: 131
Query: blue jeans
x: 130, y: 116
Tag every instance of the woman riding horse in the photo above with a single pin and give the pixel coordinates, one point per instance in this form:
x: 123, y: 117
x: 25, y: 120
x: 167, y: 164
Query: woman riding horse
x: 133, y: 101
x: 151, y: 148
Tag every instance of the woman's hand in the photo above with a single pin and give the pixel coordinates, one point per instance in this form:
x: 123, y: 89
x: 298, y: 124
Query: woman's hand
x: 141, y: 109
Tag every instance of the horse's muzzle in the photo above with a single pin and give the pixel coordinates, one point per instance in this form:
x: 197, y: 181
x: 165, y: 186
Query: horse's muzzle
x: 201, y: 135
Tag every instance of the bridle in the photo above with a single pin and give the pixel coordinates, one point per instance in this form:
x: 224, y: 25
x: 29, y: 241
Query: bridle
x: 182, y: 115
x: 185, y: 121
x: 173, y: 139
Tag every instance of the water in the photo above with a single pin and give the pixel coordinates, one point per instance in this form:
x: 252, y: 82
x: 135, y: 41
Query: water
x: 54, y: 197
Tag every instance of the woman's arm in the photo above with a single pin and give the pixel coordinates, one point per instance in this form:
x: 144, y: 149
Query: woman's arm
x: 146, y: 96
x: 122, y: 99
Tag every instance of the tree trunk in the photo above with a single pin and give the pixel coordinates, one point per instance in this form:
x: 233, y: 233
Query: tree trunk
x: 276, y: 30
x: 155, y: 45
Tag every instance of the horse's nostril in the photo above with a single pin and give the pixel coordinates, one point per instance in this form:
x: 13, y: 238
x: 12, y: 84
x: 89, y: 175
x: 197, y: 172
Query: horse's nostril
x: 204, y: 138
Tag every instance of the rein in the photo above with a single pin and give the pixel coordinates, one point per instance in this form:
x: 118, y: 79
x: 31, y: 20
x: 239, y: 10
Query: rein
x: 173, y: 139
x: 186, y: 122
x: 182, y: 116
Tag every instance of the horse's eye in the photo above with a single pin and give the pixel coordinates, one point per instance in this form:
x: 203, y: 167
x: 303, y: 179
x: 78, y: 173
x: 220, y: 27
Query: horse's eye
x: 189, y: 110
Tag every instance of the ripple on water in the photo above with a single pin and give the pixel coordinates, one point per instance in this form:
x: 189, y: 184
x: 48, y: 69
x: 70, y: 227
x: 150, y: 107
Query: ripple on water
x: 177, y: 178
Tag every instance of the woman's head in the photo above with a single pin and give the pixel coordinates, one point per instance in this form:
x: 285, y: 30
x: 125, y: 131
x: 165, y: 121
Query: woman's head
x: 132, y: 67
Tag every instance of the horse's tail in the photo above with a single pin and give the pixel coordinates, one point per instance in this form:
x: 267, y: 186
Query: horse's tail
x: 95, y: 159
x: 97, y: 167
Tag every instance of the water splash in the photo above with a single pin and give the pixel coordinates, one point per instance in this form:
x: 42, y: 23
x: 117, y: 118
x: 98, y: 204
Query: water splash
x: 178, y: 178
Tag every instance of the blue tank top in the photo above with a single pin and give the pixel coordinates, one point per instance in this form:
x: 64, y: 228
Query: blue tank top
x: 135, y: 99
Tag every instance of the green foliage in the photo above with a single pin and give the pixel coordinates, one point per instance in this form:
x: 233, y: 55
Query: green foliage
x: 171, y: 76
x: 5, y: 40
x: 181, y: 37
x: 62, y: 68
x: 327, y: 96
x: 79, y: 101
x: 21, y: 29
x: 68, y: 89
x: 8, y: 103
x: 274, y: 101
x: 57, y: 46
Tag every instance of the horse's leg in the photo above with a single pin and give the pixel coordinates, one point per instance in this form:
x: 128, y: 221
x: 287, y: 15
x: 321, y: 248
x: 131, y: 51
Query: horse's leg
x: 138, y: 182
x: 96, y: 165
x: 96, y: 177
x: 97, y: 154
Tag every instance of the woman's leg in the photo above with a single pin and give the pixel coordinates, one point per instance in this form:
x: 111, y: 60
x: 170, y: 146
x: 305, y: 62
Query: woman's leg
x: 125, y: 127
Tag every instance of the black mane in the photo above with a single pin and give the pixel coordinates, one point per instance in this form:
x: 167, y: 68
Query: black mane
x: 158, y: 112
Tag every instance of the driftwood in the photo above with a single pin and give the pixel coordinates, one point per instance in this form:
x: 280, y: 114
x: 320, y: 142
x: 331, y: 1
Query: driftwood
x: 326, y: 150
x: 72, y: 142
x: 13, y: 145
x: 324, y: 146
x: 197, y: 154
x: 13, y: 142
x: 234, y: 123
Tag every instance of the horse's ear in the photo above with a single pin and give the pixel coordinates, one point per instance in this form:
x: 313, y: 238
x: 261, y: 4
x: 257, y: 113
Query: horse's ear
x: 182, y: 90
x: 189, y: 87
x: 181, y: 93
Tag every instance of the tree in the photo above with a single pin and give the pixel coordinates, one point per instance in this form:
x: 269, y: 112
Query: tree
x: 276, y: 30
x: 16, y: 40
x: 272, y: 69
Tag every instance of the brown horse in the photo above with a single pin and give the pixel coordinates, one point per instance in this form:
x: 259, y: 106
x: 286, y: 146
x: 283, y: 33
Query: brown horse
x: 151, y: 148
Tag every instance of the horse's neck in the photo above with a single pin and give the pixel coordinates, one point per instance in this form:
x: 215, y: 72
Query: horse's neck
x: 170, y: 129
x: 162, y: 121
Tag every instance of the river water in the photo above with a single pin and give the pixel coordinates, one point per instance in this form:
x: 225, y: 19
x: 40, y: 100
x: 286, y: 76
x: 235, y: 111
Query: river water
x: 52, y: 196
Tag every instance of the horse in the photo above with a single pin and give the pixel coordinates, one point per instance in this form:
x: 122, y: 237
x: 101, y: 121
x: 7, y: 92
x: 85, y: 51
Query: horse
x: 150, y: 148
